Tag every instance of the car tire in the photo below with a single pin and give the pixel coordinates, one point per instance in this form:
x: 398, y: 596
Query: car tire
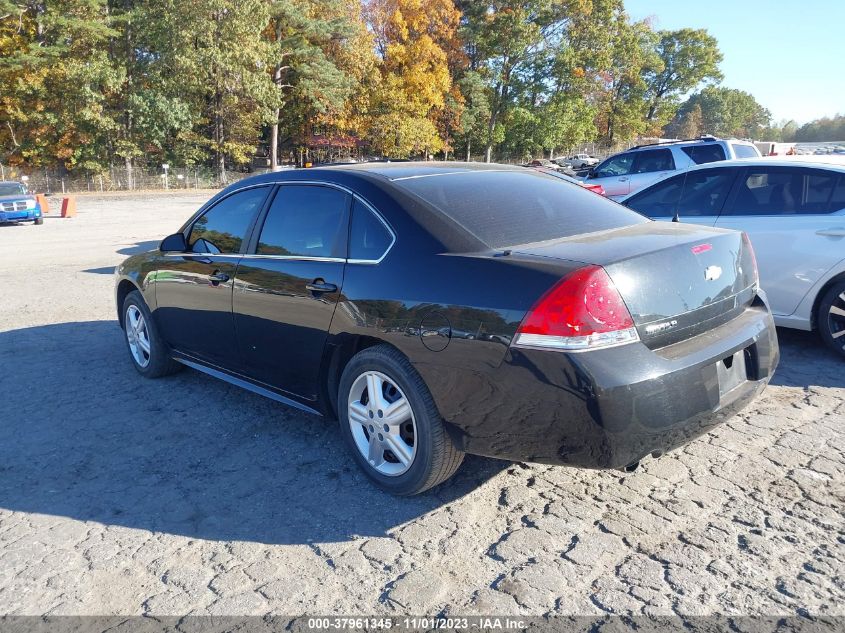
x: 830, y: 318
x: 148, y: 352
x: 38, y: 221
x: 429, y: 457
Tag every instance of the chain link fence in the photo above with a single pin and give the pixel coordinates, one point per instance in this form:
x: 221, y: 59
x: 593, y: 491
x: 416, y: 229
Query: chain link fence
x: 120, y: 179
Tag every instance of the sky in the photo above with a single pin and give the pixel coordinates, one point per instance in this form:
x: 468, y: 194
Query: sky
x: 786, y: 53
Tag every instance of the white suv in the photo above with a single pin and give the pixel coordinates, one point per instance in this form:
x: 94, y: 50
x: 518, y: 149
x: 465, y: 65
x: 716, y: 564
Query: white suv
x: 623, y: 174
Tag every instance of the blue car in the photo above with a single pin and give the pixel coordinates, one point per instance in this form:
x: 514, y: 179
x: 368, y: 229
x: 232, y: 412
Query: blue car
x: 17, y: 205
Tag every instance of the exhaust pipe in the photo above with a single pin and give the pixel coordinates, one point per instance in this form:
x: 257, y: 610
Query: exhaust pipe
x: 631, y: 467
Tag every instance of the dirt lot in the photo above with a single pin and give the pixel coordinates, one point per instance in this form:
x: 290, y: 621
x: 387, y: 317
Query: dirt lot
x: 185, y: 495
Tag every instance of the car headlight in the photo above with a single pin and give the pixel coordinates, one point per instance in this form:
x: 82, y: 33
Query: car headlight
x: 30, y: 204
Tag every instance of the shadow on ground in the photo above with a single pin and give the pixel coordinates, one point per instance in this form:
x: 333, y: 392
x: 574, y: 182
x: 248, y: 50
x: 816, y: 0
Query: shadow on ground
x: 135, y: 249
x: 82, y: 435
x: 105, y: 270
x: 807, y: 362
x: 140, y: 247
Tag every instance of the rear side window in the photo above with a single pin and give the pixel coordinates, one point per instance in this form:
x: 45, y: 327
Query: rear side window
x: 785, y: 191
x: 697, y: 193
x: 305, y: 221
x: 369, y: 238
x: 700, y: 154
x: 222, y: 229
x: 615, y: 166
x: 653, y: 160
x: 509, y: 208
x: 744, y: 151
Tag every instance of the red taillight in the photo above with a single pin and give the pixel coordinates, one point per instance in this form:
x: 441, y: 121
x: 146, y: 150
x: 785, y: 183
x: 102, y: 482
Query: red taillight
x: 583, y: 310
x: 747, y: 243
x: 595, y: 189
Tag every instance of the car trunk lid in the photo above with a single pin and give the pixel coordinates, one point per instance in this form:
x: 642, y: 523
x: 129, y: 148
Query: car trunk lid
x: 677, y: 280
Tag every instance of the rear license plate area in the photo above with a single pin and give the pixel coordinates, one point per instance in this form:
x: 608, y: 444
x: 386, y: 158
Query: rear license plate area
x: 732, y: 372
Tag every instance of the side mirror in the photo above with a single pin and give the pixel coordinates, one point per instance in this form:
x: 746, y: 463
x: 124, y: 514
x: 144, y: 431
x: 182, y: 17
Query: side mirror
x: 173, y: 244
x: 591, y: 173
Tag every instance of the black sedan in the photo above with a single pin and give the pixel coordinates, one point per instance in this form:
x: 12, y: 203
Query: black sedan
x: 438, y: 309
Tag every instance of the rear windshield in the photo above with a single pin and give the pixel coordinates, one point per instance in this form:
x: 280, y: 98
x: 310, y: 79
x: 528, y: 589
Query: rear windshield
x: 505, y: 208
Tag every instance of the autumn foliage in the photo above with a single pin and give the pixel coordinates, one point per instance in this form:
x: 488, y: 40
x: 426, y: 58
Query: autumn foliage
x: 89, y: 84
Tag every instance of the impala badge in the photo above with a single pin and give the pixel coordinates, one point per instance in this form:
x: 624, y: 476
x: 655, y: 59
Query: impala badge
x: 712, y: 273
x: 660, y: 327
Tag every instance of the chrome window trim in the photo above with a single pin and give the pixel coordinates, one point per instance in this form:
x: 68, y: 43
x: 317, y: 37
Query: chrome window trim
x: 207, y: 255
x: 306, y: 258
x: 189, y: 227
x: 282, y: 183
x: 340, y: 260
x: 383, y: 222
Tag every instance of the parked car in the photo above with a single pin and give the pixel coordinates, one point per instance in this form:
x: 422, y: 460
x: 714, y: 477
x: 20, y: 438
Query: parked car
x: 579, y: 161
x: 638, y: 167
x: 541, y: 162
x: 17, y: 205
x: 794, y: 213
x: 607, y: 337
x: 570, y: 179
x: 551, y: 167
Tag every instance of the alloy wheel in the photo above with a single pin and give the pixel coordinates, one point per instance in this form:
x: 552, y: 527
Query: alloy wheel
x: 137, y: 336
x: 836, y: 320
x: 382, y: 423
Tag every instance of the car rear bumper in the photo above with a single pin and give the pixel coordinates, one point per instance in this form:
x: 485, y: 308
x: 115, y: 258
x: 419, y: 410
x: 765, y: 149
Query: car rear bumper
x: 609, y: 408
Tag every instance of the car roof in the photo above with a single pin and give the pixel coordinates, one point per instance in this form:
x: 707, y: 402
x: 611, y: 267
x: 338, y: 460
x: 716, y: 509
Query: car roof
x: 772, y: 162
x: 707, y: 140
x: 419, y: 169
x: 385, y: 171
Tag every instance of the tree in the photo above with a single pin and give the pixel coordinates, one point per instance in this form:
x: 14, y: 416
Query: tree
x: 789, y: 130
x: 565, y: 121
x: 691, y: 124
x: 476, y: 112
x: 622, y: 100
x: 87, y: 83
x: 307, y: 72
x: 688, y: 57
x: 824, y: 129
x: 212, y: 54
x: 413, y: 38
x: 56, y: 79
x: 724, y: 112
x: 510, y: 35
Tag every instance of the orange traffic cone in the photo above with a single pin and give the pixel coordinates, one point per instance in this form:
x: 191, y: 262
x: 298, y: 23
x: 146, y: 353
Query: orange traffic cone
x: 69, y: 207
x: 43, y: 203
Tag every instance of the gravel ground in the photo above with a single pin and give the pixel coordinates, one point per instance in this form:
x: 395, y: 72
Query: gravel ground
x: 186, y: 495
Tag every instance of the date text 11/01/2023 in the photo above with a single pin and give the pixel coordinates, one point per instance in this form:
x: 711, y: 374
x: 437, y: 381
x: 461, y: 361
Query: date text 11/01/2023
x: 488, y: 623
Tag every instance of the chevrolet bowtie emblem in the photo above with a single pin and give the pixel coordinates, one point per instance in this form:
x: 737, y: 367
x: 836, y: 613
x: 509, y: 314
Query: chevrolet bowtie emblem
x: 712, y: 273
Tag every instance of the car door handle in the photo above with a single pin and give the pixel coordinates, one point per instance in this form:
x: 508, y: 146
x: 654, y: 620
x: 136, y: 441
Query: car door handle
x: 832, y: 232
x: 623, y: 179
x: 320, y: 286
x: 218, y: 277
